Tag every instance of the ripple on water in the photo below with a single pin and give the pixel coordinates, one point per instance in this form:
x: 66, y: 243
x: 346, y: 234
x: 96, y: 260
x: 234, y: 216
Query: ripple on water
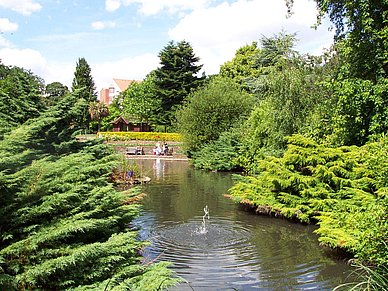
x: 217, y: 234
x: 226, y: 247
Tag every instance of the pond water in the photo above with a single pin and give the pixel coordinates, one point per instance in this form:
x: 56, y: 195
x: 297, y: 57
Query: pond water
x: 229, y: 249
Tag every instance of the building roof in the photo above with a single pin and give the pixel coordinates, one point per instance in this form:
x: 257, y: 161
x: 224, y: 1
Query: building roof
x: 124, y: 84
x: 126, y: 121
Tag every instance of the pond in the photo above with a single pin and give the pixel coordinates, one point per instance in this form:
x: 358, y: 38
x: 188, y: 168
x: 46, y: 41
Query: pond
x: 228, y: 249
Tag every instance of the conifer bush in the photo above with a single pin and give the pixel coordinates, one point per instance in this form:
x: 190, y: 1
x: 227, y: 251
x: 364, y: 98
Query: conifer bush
x: 344, y: 189
x: 63, y: 225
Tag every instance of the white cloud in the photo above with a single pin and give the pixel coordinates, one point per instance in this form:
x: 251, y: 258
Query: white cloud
x: 26, y: 58
x: 128, y: 68
x: 152, y: 7
x: 217, y: 32
x: 7, y: 26
x: 4, y: 42
x: 99, y: 25
x: 112, y: 5
x: 63, y: 73
x: 25, y: 7
x: 33, y: 60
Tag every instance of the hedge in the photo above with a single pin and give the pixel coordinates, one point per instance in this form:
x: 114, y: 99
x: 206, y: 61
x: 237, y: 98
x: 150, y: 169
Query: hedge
x: 131, y: 135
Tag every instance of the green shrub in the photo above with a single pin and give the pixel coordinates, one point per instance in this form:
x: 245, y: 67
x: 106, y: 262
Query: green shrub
x: 63, y: 225
x: 344, y: 189
x: 219, y: 155
x: 212, y: 110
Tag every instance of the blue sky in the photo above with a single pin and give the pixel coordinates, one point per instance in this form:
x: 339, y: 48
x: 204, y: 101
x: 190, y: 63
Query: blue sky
x: 122, y: 38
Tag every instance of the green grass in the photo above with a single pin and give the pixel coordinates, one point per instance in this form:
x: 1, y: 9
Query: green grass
x: 367, y: 278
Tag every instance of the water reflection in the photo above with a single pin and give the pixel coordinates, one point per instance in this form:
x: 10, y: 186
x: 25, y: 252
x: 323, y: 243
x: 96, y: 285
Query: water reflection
x: 158, y: 169
x: 239, y: 250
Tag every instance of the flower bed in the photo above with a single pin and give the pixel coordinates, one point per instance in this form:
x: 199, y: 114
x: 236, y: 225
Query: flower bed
x: 130, y: 135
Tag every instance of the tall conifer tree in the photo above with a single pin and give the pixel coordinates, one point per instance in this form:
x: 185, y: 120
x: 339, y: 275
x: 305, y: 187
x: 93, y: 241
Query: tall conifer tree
x: 176, y: 77
x: 84, y: 80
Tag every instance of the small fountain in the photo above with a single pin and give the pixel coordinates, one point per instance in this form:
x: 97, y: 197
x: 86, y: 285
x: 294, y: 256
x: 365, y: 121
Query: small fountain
x: 203, y: 230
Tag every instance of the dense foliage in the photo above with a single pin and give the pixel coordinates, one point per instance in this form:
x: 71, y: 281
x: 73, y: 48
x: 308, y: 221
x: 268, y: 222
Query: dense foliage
x: 290, y: 94
x: 54, y: 92
x: 98, y: 110
x: 20, y: 97
x: 175, y: 78
x: 343, y: 188
x: 363, y: 27
x: 211, y: 110
x: 359, y: 113
x: 303, y: 94
x: 221, y: 154
x: 289, y: 90
x: 63, y: 225
x: 139, y: 100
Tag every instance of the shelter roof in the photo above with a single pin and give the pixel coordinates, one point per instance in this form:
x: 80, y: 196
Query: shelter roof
x: 127, y: 120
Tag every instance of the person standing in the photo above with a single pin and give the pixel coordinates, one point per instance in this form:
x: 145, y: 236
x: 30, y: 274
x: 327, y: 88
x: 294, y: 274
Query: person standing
x: 165, y: 149
x: 158, y: 149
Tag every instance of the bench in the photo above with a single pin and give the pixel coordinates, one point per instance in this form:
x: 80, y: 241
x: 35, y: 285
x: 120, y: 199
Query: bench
x: 134, y: 151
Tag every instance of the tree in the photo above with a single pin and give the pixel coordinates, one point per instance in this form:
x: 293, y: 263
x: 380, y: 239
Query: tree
x: 289, y: 88
x: 176, y: 77
x: 54, y: 92
x: 355, y: 113
x: 114, y: 113
x: 211, y: 110
x: 139, y: 100
x: 243, y: 64
x: 362, y: 25
x: 20, y: 97
x: 252, y: 64
x: 359, y: 89
x: 275, y: 48
x: 84, y: 80
x: 98, y: 110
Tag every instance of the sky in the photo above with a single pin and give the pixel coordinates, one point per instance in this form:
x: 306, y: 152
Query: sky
x: 122, y: 38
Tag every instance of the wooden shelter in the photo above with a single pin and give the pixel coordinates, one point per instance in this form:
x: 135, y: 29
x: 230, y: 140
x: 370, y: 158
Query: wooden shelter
x: 131, y: 124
